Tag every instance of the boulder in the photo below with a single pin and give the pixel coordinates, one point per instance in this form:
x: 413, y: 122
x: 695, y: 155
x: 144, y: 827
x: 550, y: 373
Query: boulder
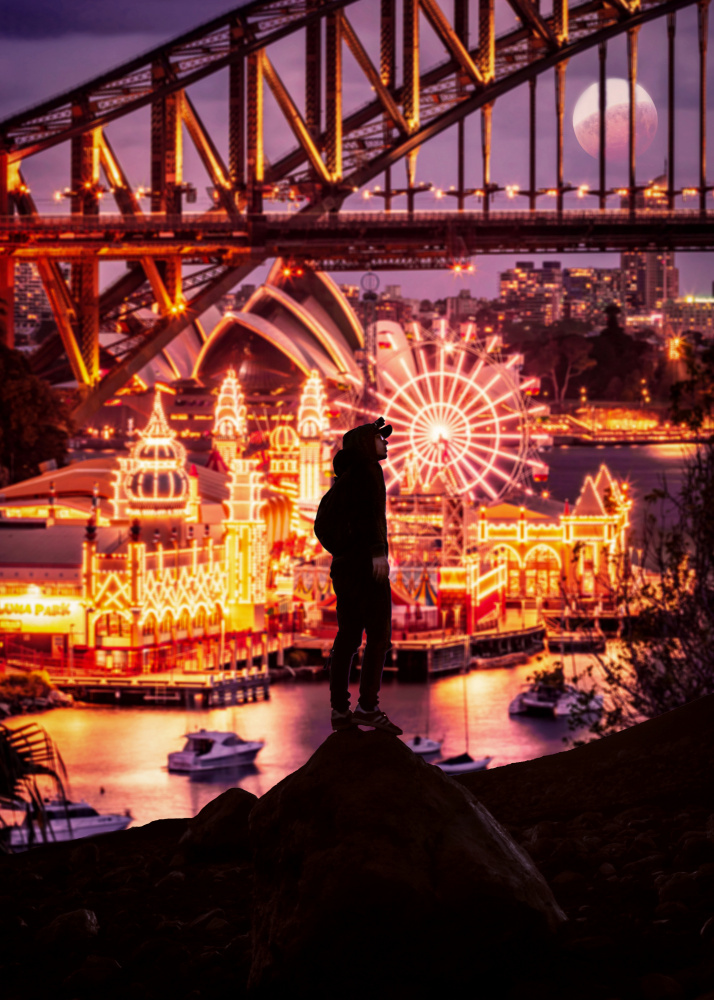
x: 220, y: 830
x: 70, y: 931
x: 375, y: 872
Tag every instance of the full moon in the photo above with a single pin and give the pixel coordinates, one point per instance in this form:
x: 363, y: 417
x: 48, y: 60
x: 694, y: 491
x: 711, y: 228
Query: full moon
x: 586, y: 119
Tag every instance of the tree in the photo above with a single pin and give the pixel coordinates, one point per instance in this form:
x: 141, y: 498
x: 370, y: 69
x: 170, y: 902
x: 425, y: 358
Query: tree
x: 34, y: 421
x: 560, y: 358
x: 620, y: 362
x: 668, y: 658
x: 26, y: 753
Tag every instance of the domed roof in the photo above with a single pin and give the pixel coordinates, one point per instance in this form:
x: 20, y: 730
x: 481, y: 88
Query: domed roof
x: 152, y: 488
x: 284, y: 438
x: 156, y: 477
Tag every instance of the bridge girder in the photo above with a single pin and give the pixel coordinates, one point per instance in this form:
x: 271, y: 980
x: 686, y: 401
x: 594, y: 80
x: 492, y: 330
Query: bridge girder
x: 336, y: 153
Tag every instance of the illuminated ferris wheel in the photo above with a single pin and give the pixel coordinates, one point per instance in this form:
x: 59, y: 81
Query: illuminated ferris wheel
x: 462, y: 420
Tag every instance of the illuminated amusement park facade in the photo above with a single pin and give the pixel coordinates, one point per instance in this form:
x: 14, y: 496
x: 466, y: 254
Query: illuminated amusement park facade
x: 151, y: 558
x: 158, y: 559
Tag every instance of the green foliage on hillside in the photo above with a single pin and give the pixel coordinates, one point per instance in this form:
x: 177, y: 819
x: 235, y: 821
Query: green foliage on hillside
x: 34, y: 421
x: 668, y: 659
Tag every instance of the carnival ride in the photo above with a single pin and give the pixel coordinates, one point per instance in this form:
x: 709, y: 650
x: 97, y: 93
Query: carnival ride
x: 463, y: 424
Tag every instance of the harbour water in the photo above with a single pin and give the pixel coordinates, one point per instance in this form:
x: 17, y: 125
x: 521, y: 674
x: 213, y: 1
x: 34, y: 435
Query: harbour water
x: 123, y: 750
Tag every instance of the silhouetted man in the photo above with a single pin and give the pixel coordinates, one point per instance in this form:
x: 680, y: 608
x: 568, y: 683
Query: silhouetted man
x: 360, y: 577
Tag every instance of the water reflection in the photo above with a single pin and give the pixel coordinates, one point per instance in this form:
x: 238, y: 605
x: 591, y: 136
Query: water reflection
x: 124, y: 750
x: 223, y: 776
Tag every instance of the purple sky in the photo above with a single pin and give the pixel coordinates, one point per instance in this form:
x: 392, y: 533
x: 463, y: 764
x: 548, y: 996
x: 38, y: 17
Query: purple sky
x: 46, y: 47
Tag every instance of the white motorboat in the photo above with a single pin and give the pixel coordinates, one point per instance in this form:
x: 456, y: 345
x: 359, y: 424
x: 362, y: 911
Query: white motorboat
x: 423, y: 746
x: 66, y: 821
x: 462, y: 764
x: 555, y: 700
x: 207, y: 750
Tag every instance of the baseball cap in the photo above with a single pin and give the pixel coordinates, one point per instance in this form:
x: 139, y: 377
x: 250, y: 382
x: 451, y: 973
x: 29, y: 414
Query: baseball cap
x: 381, y: 428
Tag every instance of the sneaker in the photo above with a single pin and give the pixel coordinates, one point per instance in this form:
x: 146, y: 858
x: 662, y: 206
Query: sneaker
x: 376, y: 719
x: 341, y: 720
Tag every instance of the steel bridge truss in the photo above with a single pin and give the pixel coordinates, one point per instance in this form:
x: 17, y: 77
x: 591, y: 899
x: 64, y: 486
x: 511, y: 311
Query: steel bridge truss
x: 182, y: 264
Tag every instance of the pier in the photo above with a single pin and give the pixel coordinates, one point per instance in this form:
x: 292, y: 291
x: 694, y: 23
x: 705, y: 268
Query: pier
x: 416, y: 655
x: 190, y: 690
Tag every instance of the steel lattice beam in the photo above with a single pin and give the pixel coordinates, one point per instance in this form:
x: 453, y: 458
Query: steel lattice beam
x: 336, y: 154
x: 159, y: 336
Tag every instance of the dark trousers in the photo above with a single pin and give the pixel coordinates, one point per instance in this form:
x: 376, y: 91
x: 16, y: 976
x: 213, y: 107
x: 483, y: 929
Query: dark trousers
x: 363, y: 605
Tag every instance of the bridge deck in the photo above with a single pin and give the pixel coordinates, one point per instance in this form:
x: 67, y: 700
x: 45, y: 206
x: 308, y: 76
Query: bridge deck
x: 348, y: 238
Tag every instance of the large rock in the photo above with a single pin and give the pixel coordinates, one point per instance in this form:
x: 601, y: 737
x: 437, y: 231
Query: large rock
x: 666, y: 761
x: 220, y: 830
x: 376, y: 874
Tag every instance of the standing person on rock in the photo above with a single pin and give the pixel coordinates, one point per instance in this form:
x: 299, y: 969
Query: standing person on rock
x: 351, y: 524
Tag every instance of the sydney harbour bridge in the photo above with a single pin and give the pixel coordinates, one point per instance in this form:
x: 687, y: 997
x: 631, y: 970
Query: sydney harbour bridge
x: 180, y: 262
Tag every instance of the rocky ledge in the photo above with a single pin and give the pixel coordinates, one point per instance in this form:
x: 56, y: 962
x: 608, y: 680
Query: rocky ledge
x: 587, y: 875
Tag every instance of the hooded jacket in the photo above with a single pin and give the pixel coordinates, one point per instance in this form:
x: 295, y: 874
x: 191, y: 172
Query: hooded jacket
x: 357, y: 468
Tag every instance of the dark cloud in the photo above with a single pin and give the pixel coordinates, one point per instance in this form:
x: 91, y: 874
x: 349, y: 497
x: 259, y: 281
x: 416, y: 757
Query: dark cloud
x: 54, y: 18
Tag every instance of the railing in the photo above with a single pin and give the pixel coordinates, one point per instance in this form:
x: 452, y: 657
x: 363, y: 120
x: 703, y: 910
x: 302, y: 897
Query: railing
x: 211, y: 652
x: 218, y: 222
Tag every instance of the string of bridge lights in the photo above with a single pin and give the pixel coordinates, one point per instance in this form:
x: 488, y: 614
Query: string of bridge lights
x: 512, y: 191
x: 291, y: 192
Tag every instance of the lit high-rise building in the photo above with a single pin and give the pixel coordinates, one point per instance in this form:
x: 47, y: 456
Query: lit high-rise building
x: 649, y: 277
x: 588, y: 290
x: 537, y: 293
x: 693, y: 312
x: 31, y: 305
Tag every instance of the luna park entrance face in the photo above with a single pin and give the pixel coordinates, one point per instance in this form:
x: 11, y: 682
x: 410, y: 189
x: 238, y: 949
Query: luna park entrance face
x: 539, y: 576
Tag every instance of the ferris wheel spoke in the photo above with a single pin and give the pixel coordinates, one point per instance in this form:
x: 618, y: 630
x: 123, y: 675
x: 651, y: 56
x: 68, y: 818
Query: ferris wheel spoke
x: 398, y: 447
x: 456, y: 375
x: 399, y: 421
x: 477, y: 393
x: 421, y: 399
x: 441, y: 374
x: 502, y: 418
x: 500, y: 401
x: 459, y: 474
x: 503, y: 436
x: 508, y: 394
x: 477, y: 409
x: 496, y: 452
x: 496, y: 471
x: 392, y: 403
x: 482, y: 481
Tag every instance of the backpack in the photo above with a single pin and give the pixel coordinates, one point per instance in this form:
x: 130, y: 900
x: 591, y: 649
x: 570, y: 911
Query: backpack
x: 332, y: 523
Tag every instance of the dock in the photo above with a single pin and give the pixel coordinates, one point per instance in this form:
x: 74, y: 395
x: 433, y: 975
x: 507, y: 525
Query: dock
x: 188, y: 690
x: 414, y: 656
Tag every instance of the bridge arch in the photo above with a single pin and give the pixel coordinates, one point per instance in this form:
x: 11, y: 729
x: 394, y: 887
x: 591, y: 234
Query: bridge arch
x: 335, y: 151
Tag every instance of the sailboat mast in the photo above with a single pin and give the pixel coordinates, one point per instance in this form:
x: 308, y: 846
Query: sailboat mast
x: 466, y: 710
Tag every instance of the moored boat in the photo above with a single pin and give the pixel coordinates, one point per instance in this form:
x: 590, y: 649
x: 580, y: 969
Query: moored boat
x: 423, y: 746
x: 462, y: 764
x: 494, y: 662
x: 64, y: 821
x: 579, y: 641
x: 207, y: 750
x: 551, y: 700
